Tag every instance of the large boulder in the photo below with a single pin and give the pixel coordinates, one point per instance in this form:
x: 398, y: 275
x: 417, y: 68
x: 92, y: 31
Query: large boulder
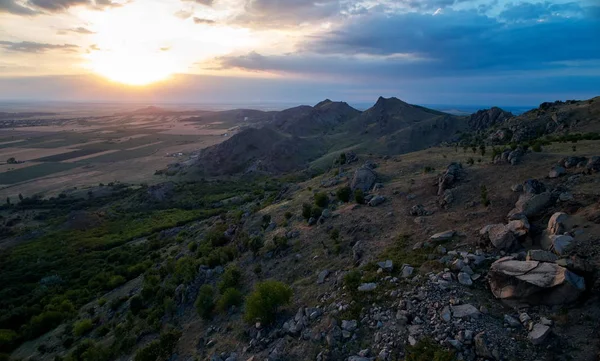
x: 519, y: 227
x: 556, y: 224
x: 557, y: 172
x: 593, y: 164
x: 534, y: 282
x: 364, y: 179
x: 447, y: 179
x: 500, y: 236
x: 570, y: 162
x: 531, y: 204
x: 533, y: 186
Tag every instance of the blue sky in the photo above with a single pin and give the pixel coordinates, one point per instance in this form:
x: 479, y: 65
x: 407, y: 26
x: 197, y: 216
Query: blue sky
x: 243, y: 51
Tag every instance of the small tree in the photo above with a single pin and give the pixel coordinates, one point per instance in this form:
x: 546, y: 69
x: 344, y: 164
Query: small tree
x: 537, y: 147
x: 470, y: 161
x: 321, y: 200
x: 11, y: 160
x: 230, y: 279
x: 306, y: 211
x: 8, y: 200
x: 482, y: 150
x: 265, y: 301
x: 344, y: 194
x: 82, y: 327
x: 231, y: 297
x: 20, y: 197
x: 204, y: 302
x: 359, y: 196
x: 343, y: 158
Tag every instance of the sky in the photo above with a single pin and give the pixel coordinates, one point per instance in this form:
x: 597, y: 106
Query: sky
x: 493, y: 52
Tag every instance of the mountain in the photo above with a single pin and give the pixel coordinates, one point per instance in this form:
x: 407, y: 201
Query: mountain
x: 307, y: 121
x: 486, y: 118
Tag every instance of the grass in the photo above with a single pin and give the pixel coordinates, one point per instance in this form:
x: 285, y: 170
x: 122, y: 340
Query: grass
x: 70, y: 155
x: 35, y: 171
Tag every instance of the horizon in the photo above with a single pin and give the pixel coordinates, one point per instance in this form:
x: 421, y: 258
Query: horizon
x: 264, y: 51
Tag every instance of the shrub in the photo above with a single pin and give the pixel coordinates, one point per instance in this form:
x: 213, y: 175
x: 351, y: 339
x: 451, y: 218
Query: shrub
x: 482, y: 150
x: 150, y: 352
x: 484, y: 196
x: 359, y: 196
x: 204, y: 301
x: 342, y: 158
x: 470, y: 161
x: 344, y: 194
x: 136, y: 304
x: 316, y: 212
x: 427, y: 350
x: 352, y: 280
x: 82, y: 327
x: 7, y: 338
x: 231, y: 297
x: 334, y: 234
x: 288, y: 215
x: 266, y: 299
x: 115, y: 281
x: 306, y: 211
x: 192, y: 246
x: 537, y: 147
x: 231, y: 278
x: 321, y: 200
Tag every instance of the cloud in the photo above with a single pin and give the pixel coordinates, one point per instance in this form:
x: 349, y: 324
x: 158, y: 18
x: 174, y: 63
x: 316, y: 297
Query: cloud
x: 183, y: 14
x: 78, y: 30
x: 540, y: 11
x: 266, y: 13
x: 32, y: 47
x: 12, y: 7
x: 203, y: 21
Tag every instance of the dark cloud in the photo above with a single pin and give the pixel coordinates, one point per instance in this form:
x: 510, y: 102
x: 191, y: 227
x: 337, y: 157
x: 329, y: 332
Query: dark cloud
x: 11, y: 6
x: 32, y: 47
x: 451, y: 44
x: 203, y: 21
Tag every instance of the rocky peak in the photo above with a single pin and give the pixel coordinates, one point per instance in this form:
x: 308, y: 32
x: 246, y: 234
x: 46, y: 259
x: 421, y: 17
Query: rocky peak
x: 324, y: 102
x: 486, y: 118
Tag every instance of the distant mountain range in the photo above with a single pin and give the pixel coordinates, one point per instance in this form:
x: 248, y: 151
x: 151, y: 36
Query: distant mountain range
x: 282, y: 141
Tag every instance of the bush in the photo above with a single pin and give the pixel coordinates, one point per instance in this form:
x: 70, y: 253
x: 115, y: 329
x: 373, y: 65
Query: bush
x: 470, y: 161
x: 266, y: 299
x: 352, y: 280
x: 230, y: 279
x: 344, y: 194
x: 359, y: 196
x: 316, y: 212
x: 537, y: 147
x: 7, y: 338
x: 192, y: 246
x: 204, y: 301
x: 288, y: 215
x: 306, y: 211
x: 231, y: 297
x: 136, y: 304
x: 484, y: 196
x: 115, y: 281
x: 427, y: 350
x: 82, y: 327
x: 321, y: 200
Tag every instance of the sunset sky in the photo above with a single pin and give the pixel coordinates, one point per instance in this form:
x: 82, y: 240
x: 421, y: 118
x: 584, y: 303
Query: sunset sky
x: 227, y: 51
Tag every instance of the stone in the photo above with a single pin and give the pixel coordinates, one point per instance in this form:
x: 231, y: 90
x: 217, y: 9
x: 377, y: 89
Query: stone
x: 364, y: 179
x: 517, y: 188
x: 357, y: 251
x: 534, y: 282
x: 593, y: 165
x: 501, y: 237
x: 418, y: 210
x: 546, y: 321
x: 560, y: 243
x: 556, y: 224
x: 482, y: 346
x: 465, y: 279
x: 531, y: 205
x: 533, y: 186
x: 443, y: 236
x: 387, y: 265
x: 539, y: 333
x: 446, y: 314
x: 367, y: 287
x: 511, y: 321
x: 570, y: 162
x: 457, y: 265
x: 519, y: 227
x: 462, y: 311
x: 407, y: 271
x: 312, y: 221
x: 376, y: 201
x: 557, y: 172
x: 566, y: 197
x: 350, y: 326
x: 468, y: 270
x: 322, y: 276
x: 541, y: 255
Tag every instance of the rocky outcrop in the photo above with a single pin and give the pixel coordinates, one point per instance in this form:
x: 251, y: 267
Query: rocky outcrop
x: 449, y: 177
x: 531, y: 204
x: 557, y: 172
x: 486, y: 118
x: 534, y: 282
x: 364, y: 179
x: 500, y: 236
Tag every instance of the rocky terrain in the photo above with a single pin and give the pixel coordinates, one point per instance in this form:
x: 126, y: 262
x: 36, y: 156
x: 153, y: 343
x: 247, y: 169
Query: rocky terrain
x: 447, y: 253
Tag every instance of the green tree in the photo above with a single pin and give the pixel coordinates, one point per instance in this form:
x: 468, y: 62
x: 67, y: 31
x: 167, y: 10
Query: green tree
x: 231, y: 297
x: 344, y: 194
x: 321, y: 200
x: 231, y: 278
x: 265, y: 301
x: 82, y: 327
x: 204, y: 302
x: 306, y: 211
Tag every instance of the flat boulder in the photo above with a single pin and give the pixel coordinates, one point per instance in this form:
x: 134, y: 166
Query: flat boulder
x: 501, y: 237
x: 533, y: 186
x: 443, y: 236
x: 534, y: 282
x: 531, y: 205
x: 376, y: 201
x: 462, y: 311
x: 364, y: 179
x: 560, y: 243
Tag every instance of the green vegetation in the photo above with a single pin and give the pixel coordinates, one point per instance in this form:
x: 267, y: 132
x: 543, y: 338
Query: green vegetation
x: 359, y: 196
x: 231, y: 297
x: 321, y: 200
x: 205, y: 301
x: 344, y: 194
x: 82, y: 327
x: 309, y: 211
x: 537, y: 147
x: 484, y: 196
x: 428, y: 350
x: 264, y: 302
x: 231, y: 278
x: 352, y: 280
x: 159, y: 349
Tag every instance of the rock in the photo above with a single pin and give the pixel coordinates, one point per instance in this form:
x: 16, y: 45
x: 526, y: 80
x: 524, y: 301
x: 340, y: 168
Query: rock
x: 367, y: 287
x: 407, y: 271
x: 539, y: 333
x: 349, y: 326
x: 533, y: 186
x: 386, y: 266
x: 517, y: 188
x: 462, y: 311
x: 364, y: 179
x: 482, y: 346
x: 312, y: 221
x: 593, y: 165
x: 501, y: 237
x: 418, y: 210
x: 557, y: 172
x: 519, y: 227
x: 556, y: 224
x: 531, y: 205
x: 443, y: 236
x: 357, y: 251
x: 511, y: 321
x: 322, y: 276
x: 560, y: 243
x: 541, y: 255
x: 446, y: 314
x: 546, y: 321
x: 570, y: 162
x: 377, y: 186
x: 358, y: 358
x: 534, y: 282
x: 457, y: 265
x: 376, y: 201
x: 447, y: 198
x: 326, y: 213
x: 448, y: 178
x: 464, y: 279
x: 566, y: 197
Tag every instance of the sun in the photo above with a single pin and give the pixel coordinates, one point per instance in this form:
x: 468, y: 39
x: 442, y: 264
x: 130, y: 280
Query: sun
x: 133, y: 69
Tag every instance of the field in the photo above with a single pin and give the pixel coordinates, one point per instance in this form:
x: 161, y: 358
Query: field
x: 82, y: 146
